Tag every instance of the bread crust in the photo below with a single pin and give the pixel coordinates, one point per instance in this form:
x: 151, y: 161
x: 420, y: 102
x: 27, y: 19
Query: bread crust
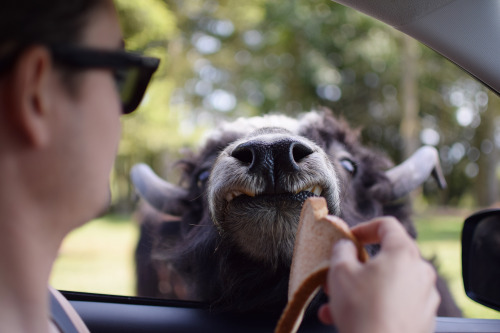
x: 316, y: 234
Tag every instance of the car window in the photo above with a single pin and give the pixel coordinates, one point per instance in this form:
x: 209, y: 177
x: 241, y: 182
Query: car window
x: 222, y: 60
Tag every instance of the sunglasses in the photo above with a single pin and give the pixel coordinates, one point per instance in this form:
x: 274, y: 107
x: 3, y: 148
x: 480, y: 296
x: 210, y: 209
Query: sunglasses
x: 131, y: 72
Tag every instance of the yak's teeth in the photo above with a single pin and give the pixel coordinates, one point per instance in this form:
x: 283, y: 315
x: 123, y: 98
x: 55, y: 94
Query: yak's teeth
x: 231, y: 195
x: 313, y: 189
x: 304, y: 189
x: 317, y: 190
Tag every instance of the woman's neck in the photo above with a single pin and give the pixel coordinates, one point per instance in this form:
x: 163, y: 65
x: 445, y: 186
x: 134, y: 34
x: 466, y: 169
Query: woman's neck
x: 27, y: 253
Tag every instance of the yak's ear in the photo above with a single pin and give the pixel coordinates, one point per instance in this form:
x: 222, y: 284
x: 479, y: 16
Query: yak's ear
x: 162, y: 195
x: 414, y: 171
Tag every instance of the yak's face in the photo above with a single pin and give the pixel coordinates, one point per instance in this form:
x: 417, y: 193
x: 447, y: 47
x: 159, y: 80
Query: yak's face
x: 258, y: 183
x: 252, y: 176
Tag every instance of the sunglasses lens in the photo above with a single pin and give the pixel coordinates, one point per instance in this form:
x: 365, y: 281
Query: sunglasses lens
x: 132, y: 83
x: 127, y: 81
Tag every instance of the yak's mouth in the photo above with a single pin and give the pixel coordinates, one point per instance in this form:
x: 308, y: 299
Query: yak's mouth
x: 272, y: 199
x: 300, y: 195
x: 264, y: 224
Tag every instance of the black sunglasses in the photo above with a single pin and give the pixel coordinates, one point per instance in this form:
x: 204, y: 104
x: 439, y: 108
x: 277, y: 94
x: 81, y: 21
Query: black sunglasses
x: 131, y: 72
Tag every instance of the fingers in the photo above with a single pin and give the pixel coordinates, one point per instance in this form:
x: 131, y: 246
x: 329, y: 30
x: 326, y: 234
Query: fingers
x: 324, y: 315
x: 433, y: 300
x: 326, y: 290
x: 374, y: 231
x: 344, y: 254
x: 344, y: 258
x: 397, y: 279
x: 431, y: 276
x: 386, y: 231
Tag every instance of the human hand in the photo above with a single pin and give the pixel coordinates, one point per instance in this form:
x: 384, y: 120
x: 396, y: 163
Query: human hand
x: 393, y: 292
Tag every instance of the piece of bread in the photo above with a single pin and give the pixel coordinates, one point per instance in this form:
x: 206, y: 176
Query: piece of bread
x: 316, y: 234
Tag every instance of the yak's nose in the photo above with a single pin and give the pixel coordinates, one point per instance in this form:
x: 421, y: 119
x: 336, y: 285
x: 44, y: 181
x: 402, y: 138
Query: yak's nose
x: 272, y: 159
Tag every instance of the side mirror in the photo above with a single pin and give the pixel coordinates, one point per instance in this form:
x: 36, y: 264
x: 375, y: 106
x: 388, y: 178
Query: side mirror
x: 481, y: 257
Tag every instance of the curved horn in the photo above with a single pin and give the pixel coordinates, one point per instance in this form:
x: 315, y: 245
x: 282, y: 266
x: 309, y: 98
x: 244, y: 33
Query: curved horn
x: 160, y: 194
x: 414, y: 171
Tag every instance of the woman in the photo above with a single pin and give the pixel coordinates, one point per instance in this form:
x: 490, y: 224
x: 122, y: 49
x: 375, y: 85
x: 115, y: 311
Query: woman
x: 62, y: 77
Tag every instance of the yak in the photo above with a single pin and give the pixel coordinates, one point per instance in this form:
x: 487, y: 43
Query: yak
x: 225, y: 234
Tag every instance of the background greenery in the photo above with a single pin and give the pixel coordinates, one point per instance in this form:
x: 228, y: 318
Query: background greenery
x: 223, y: 59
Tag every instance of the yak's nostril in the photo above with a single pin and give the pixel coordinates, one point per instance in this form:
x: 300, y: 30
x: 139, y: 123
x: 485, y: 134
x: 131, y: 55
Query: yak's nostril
x: 286, y: 154
x: 244, y: 154
x: 299, y: 151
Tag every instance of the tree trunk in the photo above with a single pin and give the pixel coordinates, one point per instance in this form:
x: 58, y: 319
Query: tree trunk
x: 487, y: 183
x: 409, y: 126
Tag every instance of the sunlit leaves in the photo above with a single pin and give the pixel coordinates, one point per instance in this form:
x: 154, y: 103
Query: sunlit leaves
x: 228, y: 58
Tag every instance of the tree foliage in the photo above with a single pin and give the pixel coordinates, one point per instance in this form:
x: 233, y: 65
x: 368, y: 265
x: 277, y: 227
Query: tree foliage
x: 226, y: 58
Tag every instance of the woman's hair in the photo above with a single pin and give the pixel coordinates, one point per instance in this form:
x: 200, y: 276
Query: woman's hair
x: 28, y: 22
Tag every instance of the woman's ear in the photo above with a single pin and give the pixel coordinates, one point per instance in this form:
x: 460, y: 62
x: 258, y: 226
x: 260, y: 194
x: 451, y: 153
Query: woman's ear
x: 31, y: 95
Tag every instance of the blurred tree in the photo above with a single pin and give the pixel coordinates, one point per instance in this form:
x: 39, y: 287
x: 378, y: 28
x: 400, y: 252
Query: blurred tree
x: 154, y: 132
x: 486, y: 188
x: 409, y: 95
x: 227, y: 58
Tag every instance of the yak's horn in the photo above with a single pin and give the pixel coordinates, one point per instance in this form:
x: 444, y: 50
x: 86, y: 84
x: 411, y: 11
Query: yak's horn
x: 160, y: 194
x: 414, y: 171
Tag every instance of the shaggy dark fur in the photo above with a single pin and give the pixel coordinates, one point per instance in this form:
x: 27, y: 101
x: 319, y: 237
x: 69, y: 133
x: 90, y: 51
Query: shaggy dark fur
x: 191, y: 259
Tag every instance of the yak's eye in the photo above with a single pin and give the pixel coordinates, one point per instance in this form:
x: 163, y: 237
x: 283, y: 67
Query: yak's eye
x: 202, y: 177
x: 349, y: 165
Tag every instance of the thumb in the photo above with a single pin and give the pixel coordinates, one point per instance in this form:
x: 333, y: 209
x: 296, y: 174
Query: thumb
x: 344, y: 253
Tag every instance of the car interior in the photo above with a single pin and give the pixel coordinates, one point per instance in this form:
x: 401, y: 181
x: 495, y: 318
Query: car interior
x: 465, y: 32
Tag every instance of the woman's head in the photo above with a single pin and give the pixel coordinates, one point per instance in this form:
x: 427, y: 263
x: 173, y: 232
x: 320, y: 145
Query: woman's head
x: 63, y: 142
x: 61, y: 97
x: 27, y: 22
x: 61, y: 26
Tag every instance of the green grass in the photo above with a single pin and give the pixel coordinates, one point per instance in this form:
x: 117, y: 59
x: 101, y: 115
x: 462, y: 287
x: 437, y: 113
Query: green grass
x: 439, y: 237
x: 98, y: 257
